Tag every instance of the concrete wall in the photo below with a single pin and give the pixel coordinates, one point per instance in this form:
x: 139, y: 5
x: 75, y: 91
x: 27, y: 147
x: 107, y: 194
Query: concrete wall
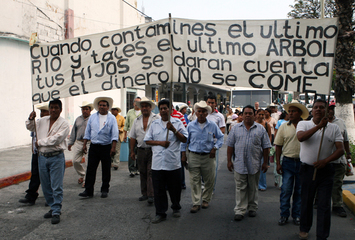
x: 18, y: 19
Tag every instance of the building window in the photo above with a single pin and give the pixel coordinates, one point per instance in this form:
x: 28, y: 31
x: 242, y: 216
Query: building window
x: 130, y: 98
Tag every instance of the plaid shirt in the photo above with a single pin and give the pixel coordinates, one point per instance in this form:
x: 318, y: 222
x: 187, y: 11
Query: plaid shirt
x: 248, y: 147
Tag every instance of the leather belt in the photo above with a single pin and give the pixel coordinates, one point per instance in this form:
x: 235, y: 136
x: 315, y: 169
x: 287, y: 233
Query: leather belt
x: 50, y: 154
x: 199, y: 153
x: 294, y: 159
x: 144, y: 149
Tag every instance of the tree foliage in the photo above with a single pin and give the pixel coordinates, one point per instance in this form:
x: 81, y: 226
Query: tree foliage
x: 345, y: 53
x: 312, y: 9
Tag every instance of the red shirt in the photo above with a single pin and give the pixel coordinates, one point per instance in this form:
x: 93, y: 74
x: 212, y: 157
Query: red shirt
x: 177, y: 114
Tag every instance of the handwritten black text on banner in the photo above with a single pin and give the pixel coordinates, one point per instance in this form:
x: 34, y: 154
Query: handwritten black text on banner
x: 293, y: 55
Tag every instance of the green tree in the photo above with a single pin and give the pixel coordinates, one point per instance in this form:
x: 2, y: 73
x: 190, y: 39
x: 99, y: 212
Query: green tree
x: 345, y: 53
x: 312, y: 9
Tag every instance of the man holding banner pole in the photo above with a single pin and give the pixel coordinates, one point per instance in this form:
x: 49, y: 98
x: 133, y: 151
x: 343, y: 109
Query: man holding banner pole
x: 51, y: 132
x: 309, y: 133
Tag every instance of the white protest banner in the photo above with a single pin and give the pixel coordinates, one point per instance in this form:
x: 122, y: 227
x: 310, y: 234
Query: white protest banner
x: 290, y: 55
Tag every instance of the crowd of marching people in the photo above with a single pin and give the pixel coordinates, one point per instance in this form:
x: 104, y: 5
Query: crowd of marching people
x: 164, y: 146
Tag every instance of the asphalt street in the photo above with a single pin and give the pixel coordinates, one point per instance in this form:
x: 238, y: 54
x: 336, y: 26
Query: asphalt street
x: 122, y: 216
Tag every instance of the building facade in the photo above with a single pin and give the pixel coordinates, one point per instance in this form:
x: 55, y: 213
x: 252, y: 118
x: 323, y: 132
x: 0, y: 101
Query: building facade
x: 53, y: 20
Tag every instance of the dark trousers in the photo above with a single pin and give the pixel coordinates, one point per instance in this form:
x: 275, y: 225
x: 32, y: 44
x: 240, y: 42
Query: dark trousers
x: 33, y: 186
x: 132, y: 163
x: 322, y: 184
x: 163, y: 179
x: 144, y: 158
x: 98, y: 153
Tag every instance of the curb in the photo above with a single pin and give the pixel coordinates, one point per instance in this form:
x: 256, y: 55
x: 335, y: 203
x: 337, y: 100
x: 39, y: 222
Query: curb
x: 349, y: 200
x: 18, y: 178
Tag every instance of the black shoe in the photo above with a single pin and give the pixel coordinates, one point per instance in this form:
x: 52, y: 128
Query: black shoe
x: 55, y: 219
x: 340, y: 211
x: 158, y: 219
x: 48, y: 214
x: 131, y: 174
x: 296, y: 221
x: 252, y: 214
x: 238, y: 217
x: 176, y: 213
x: 143, y: 198
x: 150, y: 200
x: 25, y: 200
x: 104, y: 195
x: 115, y: 168
x: 283, y: 220
x: 85, y: 195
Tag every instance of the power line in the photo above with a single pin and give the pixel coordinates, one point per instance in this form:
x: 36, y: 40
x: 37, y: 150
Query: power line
x: 137, y: 10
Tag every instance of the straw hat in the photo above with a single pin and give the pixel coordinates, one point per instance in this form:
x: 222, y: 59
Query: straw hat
x: 298, y: 105
x: 43, y: 106
x: 146, y: 100
x: 87, y: 104
x: 182, y: 106
x: 98, y: 99
x: 202, y: 104
x: 272, y: 105
x: 116, y: 107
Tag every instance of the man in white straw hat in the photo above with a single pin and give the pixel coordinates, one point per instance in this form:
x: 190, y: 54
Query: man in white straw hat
x: 310, y: 133
x: 144, y: 152
x: 33, y: 186
x: 115, y: 110
x: 77, y: 139
x: 102, y: 130
x: 287, y: 144
x: 202, y: 155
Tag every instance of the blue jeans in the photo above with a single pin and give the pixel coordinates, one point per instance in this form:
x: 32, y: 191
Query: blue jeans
x: 290, y: 183
x: 215, y: 179
x: 51, y: 173
x: 262, y: 179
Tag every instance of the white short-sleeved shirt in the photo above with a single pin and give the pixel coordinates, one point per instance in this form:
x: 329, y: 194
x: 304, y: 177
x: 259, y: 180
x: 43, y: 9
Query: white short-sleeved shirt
x: 165, y: 158
x: 309, y: 148
x: 217, y: 118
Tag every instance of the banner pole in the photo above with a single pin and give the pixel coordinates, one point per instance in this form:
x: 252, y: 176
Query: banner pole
x: 326, y: 107
x: 171, y: 73
x: 321, y: 140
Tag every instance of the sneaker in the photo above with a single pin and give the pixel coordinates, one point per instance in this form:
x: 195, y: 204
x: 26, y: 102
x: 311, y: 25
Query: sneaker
x: 104, y: 194
x: 115, y: 168
x: 150, y: 200
x: 176, y: 213
x: 136, y: 173
x: 283, y: 221
x: 142, y: 198
x: 303, y: 235
x: 55, y: 219
x: 85, y: 195
x: 252, y: 214
x: 27, y: 201
x: 205, y: 205
x: 131, y: 174
x: 48, y: 214
x: 195, y: 209
x: 297, y: 221
x: 158, y: 219
x: 340, y: 211
x: 238, y: 217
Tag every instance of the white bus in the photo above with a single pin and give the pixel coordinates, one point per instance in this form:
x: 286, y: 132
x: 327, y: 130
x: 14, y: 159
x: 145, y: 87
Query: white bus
x: 242, y: 96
